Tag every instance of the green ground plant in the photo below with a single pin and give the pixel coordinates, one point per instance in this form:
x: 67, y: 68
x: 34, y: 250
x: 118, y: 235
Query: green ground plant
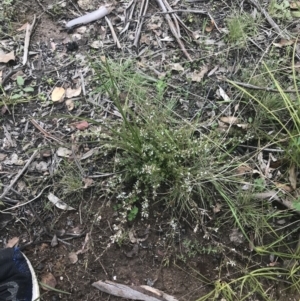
x: 162, y: 158
x: 280, y: 10
x: 281, y: 127
x: 240, y: 27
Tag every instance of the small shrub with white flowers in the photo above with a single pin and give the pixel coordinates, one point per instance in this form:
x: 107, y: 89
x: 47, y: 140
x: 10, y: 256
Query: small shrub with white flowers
x: 163, y: 158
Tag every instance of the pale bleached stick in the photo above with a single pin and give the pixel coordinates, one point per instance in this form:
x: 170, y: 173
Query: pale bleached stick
x: 27, y: 39
x: 113, y: 33
x: 173, y: 30
x: 142, y: 292
x: 92, y: 16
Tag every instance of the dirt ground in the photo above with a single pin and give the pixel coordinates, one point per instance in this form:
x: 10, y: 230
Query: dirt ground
x: 76, y: 247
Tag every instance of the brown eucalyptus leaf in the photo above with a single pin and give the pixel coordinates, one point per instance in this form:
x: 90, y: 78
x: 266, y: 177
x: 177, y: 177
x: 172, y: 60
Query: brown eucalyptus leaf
x: 49, y: 280
x: 58, y: 94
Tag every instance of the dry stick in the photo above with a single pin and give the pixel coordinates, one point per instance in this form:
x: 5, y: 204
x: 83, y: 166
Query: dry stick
x: 43, y: 131
x: 249, y: 86
x: 44, y: 9
x: 13, y: 182
x: 27, y: 39
x: 171, y: 25
x: 204, y: 12
x: 127, y: 19
x: 144, y: 7
x: 27, y: 202
x: 280, y: 32
x: 113, y: 33
x: 174, y: 16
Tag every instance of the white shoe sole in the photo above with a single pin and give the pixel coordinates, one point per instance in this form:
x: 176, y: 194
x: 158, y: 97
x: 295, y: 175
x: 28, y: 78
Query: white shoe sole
x: 35, y: 284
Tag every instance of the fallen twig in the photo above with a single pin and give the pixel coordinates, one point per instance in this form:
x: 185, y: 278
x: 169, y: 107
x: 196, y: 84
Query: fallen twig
x: 204, y: 12
x: 253, y: 87
x: 113, y: 33
x: 44, y: 9
x: 174, y: 16
x: 44, y: 132
x: 16, y: 178
x: 173, y: 29
x: 27, y: 39
x: 143, y: 10
x: 128, y: 17
x: 28, y: 202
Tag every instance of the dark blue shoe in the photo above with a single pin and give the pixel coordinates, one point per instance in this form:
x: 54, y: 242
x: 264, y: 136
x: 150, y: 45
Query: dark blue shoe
x: 18, y: 281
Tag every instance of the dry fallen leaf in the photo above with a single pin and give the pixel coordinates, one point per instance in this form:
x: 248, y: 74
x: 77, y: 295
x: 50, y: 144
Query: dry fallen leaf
x: 96, y: 44
x: 295, y: 5
x: 283, y: 43
x: 244, y: 169
x: 82, y: 125
x: 85, y: 4
x: 58, y: 94
x: 2, y: 156
x: 58, y: 203
x: 6, y: 57
x: 210, y: 27
x: 243, y: 126
x: 63, y: 152
x: 271, y: 195
x: 229, y: 119
x: 198, y: 75
x: 285, y: 187
x: 49, y: 280
x: 70, y: 104
x: 132, y: 237
x: 88, y: 182
x: 12, y: 242
x: 73, y: 92
x: 293, y: 176
x: 16, y: 161
x: 73, y: 258
x: 217, y: 208
x: 236, y: 236
x: 223, y: 94
x: 43, y: 247
x: 54, y: 241
x: 85, y: 246
x: 177, y: 67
